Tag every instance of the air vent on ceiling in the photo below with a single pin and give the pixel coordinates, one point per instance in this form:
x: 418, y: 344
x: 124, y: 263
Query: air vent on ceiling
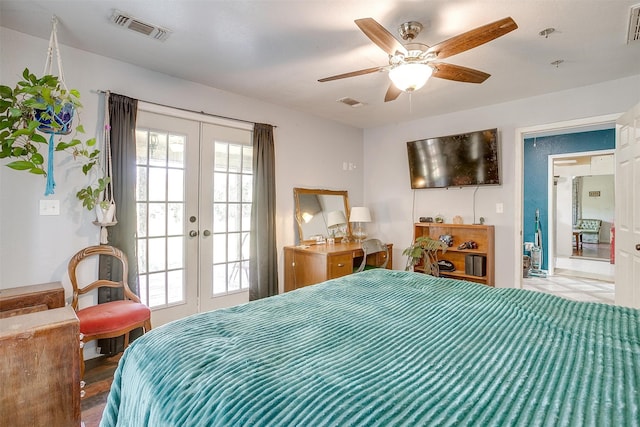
x: 633, y: 35
x: 127, y: 21
x: 351, y: 102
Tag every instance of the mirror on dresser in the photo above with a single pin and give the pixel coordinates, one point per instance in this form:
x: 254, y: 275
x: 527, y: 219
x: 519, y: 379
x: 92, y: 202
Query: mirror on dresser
x: 317, y: 210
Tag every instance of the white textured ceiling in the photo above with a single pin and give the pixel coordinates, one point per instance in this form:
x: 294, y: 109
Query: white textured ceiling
x: 277, y: 50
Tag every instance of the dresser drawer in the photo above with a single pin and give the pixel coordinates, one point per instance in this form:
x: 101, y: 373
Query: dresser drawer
x: 340, y: 265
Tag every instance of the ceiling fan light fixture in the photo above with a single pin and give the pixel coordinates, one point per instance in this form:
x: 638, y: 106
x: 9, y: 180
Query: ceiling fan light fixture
x: 410, y: 77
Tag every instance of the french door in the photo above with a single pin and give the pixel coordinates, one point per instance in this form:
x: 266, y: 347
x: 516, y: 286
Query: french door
x: 193, y: 196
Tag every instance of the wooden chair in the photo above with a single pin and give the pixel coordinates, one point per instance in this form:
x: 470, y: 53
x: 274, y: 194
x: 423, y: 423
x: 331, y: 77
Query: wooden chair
x: 111, y: 319
x: 370, y: 247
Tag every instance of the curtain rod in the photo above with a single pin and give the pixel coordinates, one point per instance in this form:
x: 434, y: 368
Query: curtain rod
x: 188, y: 110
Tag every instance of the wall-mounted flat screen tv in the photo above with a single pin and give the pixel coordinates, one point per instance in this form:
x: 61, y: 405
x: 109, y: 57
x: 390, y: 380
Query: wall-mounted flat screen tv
x: 467, y: 159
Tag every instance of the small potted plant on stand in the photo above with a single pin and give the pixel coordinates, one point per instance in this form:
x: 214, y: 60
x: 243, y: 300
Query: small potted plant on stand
x: 424, y: 248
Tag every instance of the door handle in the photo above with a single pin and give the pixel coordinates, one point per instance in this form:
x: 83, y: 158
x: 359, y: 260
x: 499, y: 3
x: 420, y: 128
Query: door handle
x: 193, y: 233
x: 206, y: 233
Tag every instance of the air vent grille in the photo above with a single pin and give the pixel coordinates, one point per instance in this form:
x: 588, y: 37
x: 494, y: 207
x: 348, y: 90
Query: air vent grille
x: 150, y: 30
x: 634, y: 25
x: 351, y: 102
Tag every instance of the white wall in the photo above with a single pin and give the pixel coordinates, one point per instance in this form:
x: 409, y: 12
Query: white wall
x: 387, y: 188
x: 601, y: 207
x: 35, y: 249
x: 564, y: 217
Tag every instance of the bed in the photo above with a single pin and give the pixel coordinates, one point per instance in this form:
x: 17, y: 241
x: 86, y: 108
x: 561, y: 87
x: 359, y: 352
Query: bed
x: 386, y: 348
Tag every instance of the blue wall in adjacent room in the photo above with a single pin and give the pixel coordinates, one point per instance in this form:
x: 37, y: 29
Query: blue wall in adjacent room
x: 536, y: 171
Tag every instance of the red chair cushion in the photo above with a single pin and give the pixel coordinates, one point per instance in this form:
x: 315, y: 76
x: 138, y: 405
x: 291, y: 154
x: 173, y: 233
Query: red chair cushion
x: 111, y: 316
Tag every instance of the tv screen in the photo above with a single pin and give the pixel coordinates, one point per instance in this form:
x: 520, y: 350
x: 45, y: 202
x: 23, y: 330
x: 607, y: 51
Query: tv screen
x: 468, y: 159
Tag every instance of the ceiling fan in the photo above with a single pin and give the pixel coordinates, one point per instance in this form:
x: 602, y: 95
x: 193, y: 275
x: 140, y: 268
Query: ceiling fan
x: 411, y: 64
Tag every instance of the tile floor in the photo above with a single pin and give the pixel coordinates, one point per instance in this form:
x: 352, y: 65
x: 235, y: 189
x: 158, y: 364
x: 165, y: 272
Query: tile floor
x: 574, y: 288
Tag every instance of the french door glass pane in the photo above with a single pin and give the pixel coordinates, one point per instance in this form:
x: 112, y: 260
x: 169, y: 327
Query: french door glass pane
x: 175, y: 223
x: 175, y: 255
x: 158, y: 149
x: 220, y: 279
x: 158, y: 184
x: 219, y: 248
x: 157, y: 289
x: 157, y: 219
x: 235, y: 217
x: 219, y: 217
x: 157, y: 254
x: 176, y: 185
x: 176, y: 290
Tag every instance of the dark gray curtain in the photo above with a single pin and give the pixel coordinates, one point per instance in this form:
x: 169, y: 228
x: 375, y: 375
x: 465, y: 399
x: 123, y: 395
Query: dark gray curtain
x: 122, y: 112
x: 263, y: 263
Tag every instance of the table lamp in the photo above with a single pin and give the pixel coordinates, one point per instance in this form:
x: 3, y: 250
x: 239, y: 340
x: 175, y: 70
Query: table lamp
x: 359, y: 215
x: 336, y: 219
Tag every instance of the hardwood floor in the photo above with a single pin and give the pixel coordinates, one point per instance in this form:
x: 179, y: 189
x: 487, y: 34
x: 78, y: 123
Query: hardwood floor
x: 600, y: 251
x: 98, y: 377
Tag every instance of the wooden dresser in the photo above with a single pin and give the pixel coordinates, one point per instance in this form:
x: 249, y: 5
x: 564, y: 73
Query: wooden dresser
x: 39, y: 341
x: 307, y: 265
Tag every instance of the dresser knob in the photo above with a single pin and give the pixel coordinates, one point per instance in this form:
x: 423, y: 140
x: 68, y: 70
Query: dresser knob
x: 340, y: 265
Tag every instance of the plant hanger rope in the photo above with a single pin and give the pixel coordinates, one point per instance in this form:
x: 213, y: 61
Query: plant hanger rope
x: 65, y: 116
x: 107, y: 194
x: 53, y: 45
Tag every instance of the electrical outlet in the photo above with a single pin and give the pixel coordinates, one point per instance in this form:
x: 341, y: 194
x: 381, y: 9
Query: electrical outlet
x: 49, y: 207
x: 499, y: 207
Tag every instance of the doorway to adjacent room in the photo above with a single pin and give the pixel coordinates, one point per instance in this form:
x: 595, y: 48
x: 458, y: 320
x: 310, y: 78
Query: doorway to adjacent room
x: 587, y: 262
x: 581, y: 214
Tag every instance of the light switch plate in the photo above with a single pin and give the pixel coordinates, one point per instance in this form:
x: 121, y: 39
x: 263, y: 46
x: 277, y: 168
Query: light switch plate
x: 49, y: 207
x: 499, y: 208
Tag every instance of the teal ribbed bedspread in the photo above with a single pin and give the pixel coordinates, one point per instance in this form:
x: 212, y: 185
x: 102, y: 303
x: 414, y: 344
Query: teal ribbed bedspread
x: 387, y: 348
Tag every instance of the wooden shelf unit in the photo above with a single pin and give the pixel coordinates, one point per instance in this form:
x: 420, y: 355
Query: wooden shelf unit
x: 483, y: 235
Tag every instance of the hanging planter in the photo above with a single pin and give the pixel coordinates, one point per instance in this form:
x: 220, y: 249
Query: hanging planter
x: 106, y: 206
x: 105, y: 212
x: 57, y: 120
x: 20, y: 138
x: 37, y: 106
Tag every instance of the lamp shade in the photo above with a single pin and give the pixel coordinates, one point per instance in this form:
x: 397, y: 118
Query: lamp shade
x: 335, y: 218
x: 410, y: 77
x: 360, y: 214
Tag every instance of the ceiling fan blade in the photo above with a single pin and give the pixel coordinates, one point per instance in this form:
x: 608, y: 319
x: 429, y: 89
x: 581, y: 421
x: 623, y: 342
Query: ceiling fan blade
x: 473, y: 38
x: 352, y: 74
x: 392, y: 93
x: 380, y: 36
x: 458, y: 73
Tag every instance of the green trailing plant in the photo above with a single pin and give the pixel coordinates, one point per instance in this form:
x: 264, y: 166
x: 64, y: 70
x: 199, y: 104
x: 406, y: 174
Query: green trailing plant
x: 424, y: 248
x: 23, y: 109
x: 91, y: 194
